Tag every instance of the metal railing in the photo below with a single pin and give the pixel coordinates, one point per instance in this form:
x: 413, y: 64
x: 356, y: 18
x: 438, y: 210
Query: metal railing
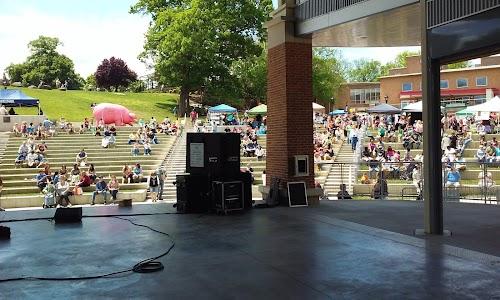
x: 477, y: 181
x: 440, y: 12
x: 313, y: 8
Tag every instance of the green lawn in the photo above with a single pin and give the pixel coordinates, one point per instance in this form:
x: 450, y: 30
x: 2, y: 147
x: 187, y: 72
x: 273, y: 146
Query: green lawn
x: 75, y: 105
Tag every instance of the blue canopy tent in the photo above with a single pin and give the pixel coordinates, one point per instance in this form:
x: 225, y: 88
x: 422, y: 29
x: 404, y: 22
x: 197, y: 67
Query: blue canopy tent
x: 222, y: 108
x: 337, y: 112
x: 16, y: 98
x: 214, y: 114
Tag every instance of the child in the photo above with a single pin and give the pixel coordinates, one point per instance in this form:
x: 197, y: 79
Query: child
x: 135, y: 149
x: 153, y: 186
x: 147, y: 148
x: 49, y: 193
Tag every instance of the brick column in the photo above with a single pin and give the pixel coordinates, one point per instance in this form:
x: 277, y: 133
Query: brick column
x: 289, y: 100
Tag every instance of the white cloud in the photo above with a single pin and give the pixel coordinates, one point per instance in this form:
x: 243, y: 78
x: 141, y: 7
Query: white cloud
x: 87, y: 40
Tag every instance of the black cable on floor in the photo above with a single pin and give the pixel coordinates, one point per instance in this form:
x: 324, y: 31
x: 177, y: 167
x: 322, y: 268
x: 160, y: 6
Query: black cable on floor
x: 91, y: 216
x: 148, y: 265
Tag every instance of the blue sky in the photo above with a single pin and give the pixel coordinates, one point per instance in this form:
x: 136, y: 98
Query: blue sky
x: 92, y: 30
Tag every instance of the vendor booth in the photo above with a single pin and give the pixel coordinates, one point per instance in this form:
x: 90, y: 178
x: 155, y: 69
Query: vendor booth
x: 258, y: 110
x: 222, y: 115
x: 317, y: 108
x: 384, y: 109
x: 16, y: 98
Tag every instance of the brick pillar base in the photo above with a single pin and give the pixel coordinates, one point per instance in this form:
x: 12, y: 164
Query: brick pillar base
x: 289, y: 108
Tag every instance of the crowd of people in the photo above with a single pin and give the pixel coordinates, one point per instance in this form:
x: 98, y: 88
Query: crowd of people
x: 58, y: 186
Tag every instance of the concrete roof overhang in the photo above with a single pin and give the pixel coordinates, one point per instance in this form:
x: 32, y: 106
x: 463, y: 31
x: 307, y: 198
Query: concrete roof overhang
x: 398, y: 24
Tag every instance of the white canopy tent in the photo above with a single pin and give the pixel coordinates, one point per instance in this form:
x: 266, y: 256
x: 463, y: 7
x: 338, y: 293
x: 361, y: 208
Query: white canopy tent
x: 415, y: 107
x: 317, y: 108
x: 492, y: 105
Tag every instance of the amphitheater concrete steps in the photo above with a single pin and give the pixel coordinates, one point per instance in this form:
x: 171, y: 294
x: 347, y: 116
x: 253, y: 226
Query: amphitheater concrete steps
x: 175, y: 165
x: 20, y: 188
x: 342, y: 171
x: 4, y: 138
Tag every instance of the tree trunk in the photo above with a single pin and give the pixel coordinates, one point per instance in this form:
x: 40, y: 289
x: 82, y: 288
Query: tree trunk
x: 183, y: 102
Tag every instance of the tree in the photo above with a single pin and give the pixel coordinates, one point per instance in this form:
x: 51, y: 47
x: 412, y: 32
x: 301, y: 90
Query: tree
x: 400, y: 60
x: 365, y: 70
x: 459, y: 65
x: 195, y: 42
x: 251, y: 77
x: 115, y: 73
x: 328, y: 73
x: 16, y: 72
x: 45, y: 64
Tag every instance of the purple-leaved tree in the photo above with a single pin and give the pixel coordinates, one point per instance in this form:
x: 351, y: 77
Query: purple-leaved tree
x: 114, y: 73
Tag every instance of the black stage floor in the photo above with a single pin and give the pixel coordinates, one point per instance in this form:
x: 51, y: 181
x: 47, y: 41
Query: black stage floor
x: 279, y: 253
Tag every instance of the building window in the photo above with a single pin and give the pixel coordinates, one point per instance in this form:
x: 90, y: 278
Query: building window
x: 481, y: 81
x: 407, y: 86
x: 404, y: 103
x: 444, y: 84
x: 462, y: 82
x: 365, y: 96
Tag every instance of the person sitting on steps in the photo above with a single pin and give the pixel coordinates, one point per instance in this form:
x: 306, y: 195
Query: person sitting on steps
x: 100, y: 188
x: 81, y: 157
x: 113, y: 187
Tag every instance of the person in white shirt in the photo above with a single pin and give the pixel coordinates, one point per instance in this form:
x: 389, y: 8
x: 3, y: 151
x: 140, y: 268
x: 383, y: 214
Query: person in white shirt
x: 417, y: 179
x: 3, y: 111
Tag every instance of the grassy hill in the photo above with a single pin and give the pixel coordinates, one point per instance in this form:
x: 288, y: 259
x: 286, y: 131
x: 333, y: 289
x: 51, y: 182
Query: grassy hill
x: 75, y: 105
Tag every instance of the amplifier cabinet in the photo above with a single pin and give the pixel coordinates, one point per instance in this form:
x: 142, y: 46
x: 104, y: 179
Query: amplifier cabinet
x: 193, y: 193
x: 228, y: 196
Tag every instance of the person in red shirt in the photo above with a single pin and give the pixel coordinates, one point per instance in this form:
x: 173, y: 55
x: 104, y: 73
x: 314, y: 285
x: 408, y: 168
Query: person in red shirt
x: 194, y: 116
x: 84, y: 180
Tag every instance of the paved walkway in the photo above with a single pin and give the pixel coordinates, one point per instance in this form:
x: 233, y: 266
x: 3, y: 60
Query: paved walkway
x: 279, y: 253
x: 473, y: 226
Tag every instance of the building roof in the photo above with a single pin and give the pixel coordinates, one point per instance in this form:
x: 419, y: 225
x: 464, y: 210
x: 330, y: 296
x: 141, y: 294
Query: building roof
x: 449, y: 92
x: 445, y: 71
x: 361, y: 83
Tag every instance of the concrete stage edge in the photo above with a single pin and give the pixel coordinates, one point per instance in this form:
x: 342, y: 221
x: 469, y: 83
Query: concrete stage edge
x: 279, y: 253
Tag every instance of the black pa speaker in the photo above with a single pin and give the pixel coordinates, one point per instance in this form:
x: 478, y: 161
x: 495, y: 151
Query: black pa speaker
x: 214, y: 154
x: 193, y: 193
x: 4, y: 233
x: 68, y: 215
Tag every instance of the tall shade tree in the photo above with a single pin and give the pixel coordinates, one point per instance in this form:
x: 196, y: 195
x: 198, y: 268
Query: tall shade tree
x: 328, y: 73
x: 195, y: 42
x: 365, y: 70
x: 115, y: 73
x: 45, y: 65
x: 251, y: 77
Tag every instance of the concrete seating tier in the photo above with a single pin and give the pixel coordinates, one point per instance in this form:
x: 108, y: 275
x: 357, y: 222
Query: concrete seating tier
x: 95, y: 160
x: 399, y: 146
x: 20, y: 188
x: 470, y: 173
x: 32, y: 188
x: 396, y: 190
x: 86, y: 198
x: 8, y: 178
